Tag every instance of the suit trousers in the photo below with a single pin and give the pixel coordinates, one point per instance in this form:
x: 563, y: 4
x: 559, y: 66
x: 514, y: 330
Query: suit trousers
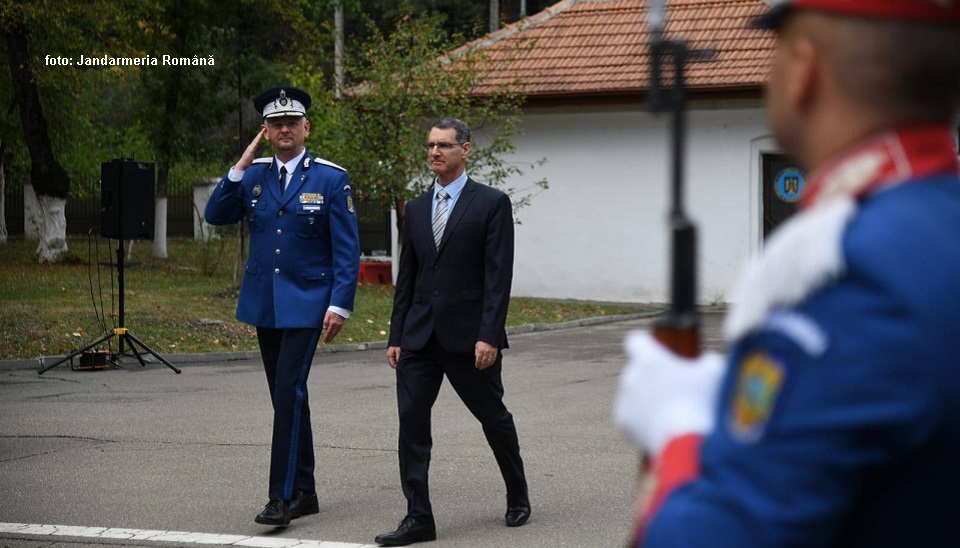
x: 419, y: 377
x: 287, y: 355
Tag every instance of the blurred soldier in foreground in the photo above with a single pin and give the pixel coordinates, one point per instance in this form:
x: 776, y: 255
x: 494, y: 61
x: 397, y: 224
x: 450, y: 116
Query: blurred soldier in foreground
x: 835, y: 419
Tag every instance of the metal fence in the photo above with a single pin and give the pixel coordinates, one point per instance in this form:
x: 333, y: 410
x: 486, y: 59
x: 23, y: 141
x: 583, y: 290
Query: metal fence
x: 83, y: 216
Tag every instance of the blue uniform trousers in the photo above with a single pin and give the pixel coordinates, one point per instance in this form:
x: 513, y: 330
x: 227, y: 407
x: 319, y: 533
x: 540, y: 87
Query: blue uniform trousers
x: 287, y: 355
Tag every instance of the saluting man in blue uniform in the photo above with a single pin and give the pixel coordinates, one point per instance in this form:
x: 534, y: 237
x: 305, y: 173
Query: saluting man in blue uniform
x: 298, y: 283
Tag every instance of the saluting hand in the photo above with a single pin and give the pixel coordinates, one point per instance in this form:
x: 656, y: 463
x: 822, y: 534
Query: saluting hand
x: 250, y: 154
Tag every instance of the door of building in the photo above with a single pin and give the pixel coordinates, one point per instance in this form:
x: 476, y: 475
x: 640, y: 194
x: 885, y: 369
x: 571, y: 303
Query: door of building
x: 783, y: 185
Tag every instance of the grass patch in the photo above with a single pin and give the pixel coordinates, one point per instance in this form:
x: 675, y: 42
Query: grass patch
x: 183, y: 304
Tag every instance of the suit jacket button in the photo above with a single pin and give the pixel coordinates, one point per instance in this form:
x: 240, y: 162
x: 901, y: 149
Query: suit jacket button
x: 279, y: 232
x: 278, y: 252
x: 280, y: 213
x: 276, y: 270
x: 436, y: 293
x: 436, y: 268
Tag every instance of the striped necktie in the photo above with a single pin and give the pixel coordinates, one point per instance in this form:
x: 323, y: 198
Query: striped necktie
x: 440, y: 217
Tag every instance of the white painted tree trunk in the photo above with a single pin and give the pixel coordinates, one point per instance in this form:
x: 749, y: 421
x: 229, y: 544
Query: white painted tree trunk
x: 53, y: 229
x: 395, y: 252
x: 160, y: 229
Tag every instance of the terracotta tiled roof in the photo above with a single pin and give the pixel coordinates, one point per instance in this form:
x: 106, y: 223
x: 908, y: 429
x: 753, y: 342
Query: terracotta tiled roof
x: 600, y: 47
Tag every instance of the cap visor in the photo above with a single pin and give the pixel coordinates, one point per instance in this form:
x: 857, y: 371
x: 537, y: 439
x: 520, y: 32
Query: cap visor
x: 279, y: 113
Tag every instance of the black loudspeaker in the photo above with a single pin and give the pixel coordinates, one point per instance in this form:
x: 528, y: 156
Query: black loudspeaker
x: 126, y: 199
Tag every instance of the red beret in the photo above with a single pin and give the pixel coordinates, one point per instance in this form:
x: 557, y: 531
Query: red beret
x: 945, y: 12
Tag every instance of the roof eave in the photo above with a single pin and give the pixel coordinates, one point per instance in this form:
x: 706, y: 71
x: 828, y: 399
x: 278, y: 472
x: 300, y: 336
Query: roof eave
x: 637, y: 95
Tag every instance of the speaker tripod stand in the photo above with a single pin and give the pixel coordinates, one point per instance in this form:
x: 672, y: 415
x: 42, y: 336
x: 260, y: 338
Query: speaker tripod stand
x: 122, y: 334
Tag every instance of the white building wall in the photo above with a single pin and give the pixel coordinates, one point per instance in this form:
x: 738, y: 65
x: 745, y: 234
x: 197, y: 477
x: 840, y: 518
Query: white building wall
x: 600, y: 231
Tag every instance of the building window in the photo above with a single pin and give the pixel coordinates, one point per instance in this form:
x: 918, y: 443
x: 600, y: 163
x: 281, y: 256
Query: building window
x: 783, y: 185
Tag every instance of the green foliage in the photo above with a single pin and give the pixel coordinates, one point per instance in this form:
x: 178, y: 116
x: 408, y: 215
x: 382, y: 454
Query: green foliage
x: 397, y: 86
x: 196, y: 120
x: 187, y: 117
x: 71, y: 97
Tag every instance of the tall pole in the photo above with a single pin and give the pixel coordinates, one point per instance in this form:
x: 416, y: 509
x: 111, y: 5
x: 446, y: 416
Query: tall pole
x: 120, y: 287
x: 338, y: 52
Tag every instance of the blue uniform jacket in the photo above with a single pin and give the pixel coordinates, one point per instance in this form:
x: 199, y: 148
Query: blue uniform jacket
x: 853, y: 435
x: 304, y: 249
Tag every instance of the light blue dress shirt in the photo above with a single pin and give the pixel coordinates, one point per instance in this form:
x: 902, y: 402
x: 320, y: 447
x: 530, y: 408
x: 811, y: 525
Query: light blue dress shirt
x: 453, y: 191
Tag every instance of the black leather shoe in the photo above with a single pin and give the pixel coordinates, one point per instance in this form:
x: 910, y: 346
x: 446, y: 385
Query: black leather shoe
x: 304, y: 504
x: 517, y: 514
x: 276, y: 513
x: 409, y: 531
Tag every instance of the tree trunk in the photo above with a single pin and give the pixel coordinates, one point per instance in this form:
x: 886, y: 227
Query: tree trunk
x: 53, y: 228
x: 166, y: 153
x: 49, y: 179
x: 160, y: 228
x: 160, y: 218
x: 400, y: 206
x: 400, y: 211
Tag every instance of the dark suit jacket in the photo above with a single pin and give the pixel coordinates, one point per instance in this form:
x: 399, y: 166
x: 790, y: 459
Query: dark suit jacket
x: 461, y: 290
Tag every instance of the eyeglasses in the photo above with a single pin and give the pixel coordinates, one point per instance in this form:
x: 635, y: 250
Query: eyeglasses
x: 278, y: 125
x: 442, y: 146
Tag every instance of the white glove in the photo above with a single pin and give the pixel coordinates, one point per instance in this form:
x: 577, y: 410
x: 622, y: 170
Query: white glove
x: 663, y: 395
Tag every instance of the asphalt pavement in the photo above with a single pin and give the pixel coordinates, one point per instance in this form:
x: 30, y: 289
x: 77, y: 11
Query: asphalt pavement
x: 143, y: 457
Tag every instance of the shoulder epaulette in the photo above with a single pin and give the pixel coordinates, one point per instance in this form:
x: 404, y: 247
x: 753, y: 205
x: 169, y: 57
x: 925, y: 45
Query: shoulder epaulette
x: 265, y: 160
x: 328, y: 163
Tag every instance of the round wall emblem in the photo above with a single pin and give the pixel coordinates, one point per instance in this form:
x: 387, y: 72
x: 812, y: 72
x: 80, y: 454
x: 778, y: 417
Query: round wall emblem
x: 789, y: 184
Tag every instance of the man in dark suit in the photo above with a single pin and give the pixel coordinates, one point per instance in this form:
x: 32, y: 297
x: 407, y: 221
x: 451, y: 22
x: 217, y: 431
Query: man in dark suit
x: 300, y: 278
x: 449, y: 311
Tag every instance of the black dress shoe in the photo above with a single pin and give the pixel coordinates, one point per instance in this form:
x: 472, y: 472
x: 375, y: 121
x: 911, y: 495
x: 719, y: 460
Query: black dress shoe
x: 276, y: 513
x: 517, y: 514
x: 304, y: 504
x: 409, y: 531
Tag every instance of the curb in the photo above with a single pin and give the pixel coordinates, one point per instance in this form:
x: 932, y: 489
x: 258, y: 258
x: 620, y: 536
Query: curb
x: 220, y: 357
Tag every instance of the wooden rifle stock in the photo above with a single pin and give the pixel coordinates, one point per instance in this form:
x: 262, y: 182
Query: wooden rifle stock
x: 684, y: 340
